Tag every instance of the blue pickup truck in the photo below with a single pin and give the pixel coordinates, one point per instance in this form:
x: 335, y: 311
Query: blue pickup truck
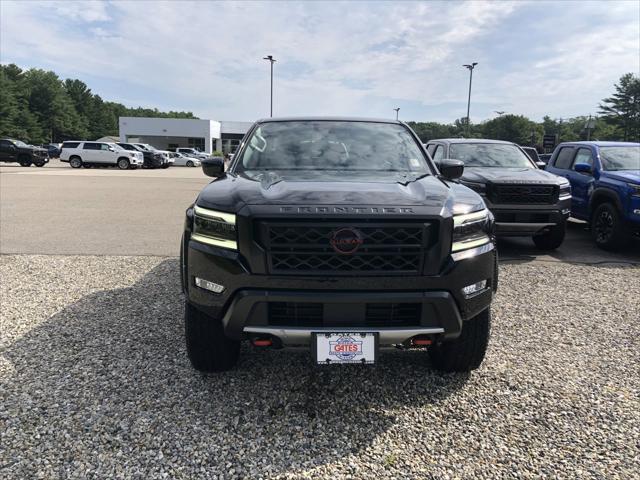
x: 605, y: 187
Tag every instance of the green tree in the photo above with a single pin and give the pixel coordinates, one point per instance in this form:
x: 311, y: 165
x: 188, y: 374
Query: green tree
x: 622, y: 109
x: 512, y: 128
x: 37, y: 107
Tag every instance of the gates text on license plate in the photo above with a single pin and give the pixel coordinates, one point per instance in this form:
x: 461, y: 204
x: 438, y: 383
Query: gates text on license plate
x: 348, y: 347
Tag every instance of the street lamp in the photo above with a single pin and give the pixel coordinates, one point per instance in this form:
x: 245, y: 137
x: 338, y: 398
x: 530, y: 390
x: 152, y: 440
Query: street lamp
x: 271, y: 61
x: 397, y: 109
x: 470, y: 68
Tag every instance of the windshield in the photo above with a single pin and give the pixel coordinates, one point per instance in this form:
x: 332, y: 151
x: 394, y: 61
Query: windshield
x: 333, y: 145
x: 19, y: 143
x: 489, y: 155
x: 620, y: 158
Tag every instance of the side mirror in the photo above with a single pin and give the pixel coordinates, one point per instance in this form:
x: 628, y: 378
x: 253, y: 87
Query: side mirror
x: 450, y: 168
x: 541, y: 165
x: 213, y: 167
x: 582, y: 168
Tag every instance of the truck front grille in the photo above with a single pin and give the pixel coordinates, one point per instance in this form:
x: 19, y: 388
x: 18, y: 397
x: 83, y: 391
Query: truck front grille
x: 523, y: 194
x: 306, y: 248
x: 312, y: 315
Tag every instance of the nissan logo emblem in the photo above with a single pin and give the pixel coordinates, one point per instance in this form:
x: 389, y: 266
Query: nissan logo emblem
x: 346, y: 241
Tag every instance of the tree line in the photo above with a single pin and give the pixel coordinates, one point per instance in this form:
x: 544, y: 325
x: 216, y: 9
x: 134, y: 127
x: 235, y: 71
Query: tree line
x: 38, y: 107
x: 618, y: 120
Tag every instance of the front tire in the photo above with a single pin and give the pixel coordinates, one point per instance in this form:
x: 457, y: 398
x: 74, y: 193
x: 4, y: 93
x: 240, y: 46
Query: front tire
x: 190, y: 164
x: 607, y: 228
x: 40, y: 164
x: 208, y: 348
x: 552, y: 239
x: 466, y: 352
x: 75, y: 162
x: 123, y: 164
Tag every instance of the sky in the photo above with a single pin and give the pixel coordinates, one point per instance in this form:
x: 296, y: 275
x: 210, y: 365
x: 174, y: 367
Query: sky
x: 363, y: 59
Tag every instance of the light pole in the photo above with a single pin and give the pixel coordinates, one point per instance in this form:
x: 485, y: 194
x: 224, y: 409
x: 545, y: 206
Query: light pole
x: 271, y: 61
x: 397, y: 109
x: 470, y: 68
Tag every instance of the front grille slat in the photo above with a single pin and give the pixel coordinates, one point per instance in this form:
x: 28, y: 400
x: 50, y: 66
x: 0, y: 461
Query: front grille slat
x: 305, y: 247
x: 311, y: 315
x: 522, y: 194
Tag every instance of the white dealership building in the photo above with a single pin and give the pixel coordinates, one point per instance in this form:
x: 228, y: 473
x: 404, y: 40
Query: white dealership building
x: 171, y: 133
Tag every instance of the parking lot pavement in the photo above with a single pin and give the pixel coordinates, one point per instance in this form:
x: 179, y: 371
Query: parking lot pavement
x: 95, y: 383
x: 60, y: 210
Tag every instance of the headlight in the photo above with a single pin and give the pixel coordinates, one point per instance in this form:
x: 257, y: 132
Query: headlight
x: 470, y: 230
x: 476, y: 187
x: 214, y: 228
x: 565, y: 189
x: 635, y: 189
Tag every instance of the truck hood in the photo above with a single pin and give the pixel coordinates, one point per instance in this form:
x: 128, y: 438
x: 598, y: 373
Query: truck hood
x: 232, y: 191
x: 509, y: 175
x: 631, y: 176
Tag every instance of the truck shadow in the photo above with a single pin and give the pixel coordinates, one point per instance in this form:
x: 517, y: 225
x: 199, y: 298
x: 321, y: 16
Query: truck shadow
x: 110, y: 373
x: 578, y: 247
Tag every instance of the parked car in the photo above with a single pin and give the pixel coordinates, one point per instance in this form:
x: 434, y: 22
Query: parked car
x: 192, y: 152
x: 525, y: 200
x: 12, y: 150
x: 605, y: 187
x: 53, y: 149
x: 544, y: 157
x: 342, y: 236
x: 167, y: 161
x: 533, y: 155
x: 152, y: 159
x: 87, y: 154
x: 180, y: 160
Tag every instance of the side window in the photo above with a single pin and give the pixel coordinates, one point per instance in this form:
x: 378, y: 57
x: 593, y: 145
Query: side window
x: 104, y: 146
x: 5, y: 144
x: 70, y: 144
x: 438, y: 153
x: 430, y: 148
x: 91, y: 146
x: 563, y: 160
x: 583, y: 156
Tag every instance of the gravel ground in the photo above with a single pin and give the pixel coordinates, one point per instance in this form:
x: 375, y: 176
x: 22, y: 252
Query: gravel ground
x: 95, y: 383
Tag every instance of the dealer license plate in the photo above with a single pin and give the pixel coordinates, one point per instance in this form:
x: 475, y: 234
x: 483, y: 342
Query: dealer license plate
x: 348, y: 347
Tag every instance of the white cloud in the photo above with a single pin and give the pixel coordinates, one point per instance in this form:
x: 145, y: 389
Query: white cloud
x: 333, y: 58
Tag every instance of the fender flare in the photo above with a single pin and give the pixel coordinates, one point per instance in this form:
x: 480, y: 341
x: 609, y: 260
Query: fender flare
x: 607, y: 193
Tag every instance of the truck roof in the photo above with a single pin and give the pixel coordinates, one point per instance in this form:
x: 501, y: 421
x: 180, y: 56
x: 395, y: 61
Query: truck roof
x: 471, y: 140
x: 328, y: 119
x: 597, y: 143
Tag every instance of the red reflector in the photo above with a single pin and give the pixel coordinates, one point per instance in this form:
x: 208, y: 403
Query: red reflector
x: 421, y: 341
x: 262, y: 342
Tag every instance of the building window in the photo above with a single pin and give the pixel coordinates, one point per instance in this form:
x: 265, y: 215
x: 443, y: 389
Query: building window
x: 197, y: 143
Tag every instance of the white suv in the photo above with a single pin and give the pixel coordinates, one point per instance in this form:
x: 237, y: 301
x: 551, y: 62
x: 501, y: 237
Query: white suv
x: 86, y: 154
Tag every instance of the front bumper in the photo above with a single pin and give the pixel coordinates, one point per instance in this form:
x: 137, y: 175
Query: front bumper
x: 527, y: 220
x: 243, y: 307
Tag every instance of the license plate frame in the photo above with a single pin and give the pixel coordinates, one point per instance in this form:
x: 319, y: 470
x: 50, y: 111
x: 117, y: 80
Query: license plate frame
x: 345, y: 348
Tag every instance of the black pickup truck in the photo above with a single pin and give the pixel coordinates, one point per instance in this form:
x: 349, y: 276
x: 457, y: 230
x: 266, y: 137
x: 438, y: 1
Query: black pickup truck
x: 340, y: 235
x: 525, y: 200
x: 16, y: 151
